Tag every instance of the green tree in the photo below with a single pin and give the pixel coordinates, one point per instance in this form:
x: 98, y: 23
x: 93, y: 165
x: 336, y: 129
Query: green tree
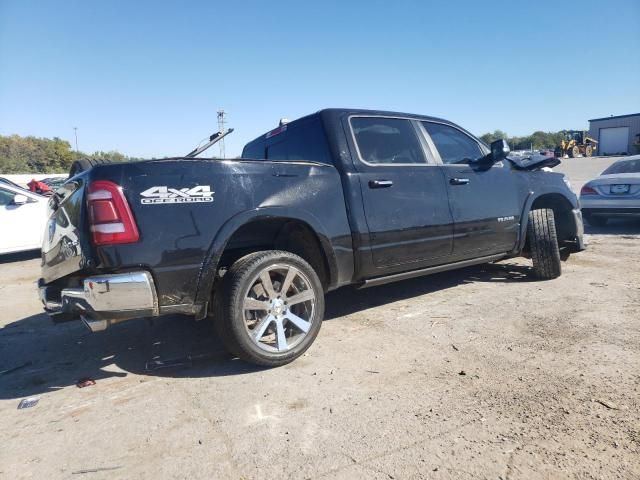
x: 488, y: 138
x: 45, y: 155
x: 538, y: 140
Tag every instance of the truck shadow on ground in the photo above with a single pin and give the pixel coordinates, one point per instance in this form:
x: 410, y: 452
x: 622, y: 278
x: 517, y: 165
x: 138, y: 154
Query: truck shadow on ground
x: 38, y: 357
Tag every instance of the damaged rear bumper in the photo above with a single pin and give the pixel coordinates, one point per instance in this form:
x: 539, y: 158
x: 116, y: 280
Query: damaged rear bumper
x: 104, y: 299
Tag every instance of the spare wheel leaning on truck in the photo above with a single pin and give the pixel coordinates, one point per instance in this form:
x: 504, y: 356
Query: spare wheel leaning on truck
x: 339, y: 197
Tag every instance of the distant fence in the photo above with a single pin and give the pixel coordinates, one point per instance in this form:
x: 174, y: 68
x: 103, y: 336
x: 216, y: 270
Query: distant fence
x: 24, y: 178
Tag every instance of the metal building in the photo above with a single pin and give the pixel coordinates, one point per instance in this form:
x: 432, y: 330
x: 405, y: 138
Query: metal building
x: 617, y: 135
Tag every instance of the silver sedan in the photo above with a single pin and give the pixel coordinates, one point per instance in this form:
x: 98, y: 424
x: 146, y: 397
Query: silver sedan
x: 615, y: 193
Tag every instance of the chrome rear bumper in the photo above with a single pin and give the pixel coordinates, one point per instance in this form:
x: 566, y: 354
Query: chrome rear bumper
x: 104, y: 299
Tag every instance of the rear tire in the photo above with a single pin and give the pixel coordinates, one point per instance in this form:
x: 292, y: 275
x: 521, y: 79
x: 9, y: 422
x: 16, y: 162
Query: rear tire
x: 588, y: 151
x: 289, y: 308
x: 543, y: 243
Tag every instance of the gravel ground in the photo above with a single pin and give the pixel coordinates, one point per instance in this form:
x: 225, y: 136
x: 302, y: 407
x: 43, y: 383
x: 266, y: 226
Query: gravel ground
x: 479, y: 373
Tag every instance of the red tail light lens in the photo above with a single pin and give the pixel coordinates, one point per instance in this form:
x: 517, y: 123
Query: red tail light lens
x: 587, y: 191
x: 110, y: 217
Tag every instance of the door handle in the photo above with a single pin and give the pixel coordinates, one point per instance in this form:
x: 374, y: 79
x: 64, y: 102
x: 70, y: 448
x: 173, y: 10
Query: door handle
x: 459, y: 181
x: 380, y: 183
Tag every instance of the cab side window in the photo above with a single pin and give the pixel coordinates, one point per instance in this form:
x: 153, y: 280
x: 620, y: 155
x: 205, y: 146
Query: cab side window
x: 453, y: 145
x: 300, y: 141
x: 254, y: 150
x: 387, y: 141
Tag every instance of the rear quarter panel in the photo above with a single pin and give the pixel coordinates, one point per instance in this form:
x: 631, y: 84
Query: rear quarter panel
x: 178, y: 240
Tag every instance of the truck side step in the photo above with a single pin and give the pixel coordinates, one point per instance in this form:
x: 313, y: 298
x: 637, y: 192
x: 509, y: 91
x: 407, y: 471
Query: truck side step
x: 373, y: 282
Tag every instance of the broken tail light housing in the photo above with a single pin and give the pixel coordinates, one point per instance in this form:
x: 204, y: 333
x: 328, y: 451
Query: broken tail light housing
x: 110, y: 218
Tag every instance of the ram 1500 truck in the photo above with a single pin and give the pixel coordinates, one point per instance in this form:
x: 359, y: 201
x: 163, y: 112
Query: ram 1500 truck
x: 339, y: 197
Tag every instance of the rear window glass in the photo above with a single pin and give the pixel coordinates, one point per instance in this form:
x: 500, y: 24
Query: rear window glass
x: 305, y: 141
x: 387, y: 140
x: 624, y: 166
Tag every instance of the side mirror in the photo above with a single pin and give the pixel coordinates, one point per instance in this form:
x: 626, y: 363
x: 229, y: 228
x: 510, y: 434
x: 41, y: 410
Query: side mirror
x: 499, y: 150
x: 19, y: 199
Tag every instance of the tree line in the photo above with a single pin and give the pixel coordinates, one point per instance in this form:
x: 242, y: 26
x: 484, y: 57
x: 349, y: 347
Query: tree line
x: 537, y: 140
x: 54, y: 155
x: 45, y: 155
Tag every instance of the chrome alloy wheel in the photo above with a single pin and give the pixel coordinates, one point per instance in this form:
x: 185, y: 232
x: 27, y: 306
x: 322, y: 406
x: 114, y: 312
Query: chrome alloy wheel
x: 279, y: 308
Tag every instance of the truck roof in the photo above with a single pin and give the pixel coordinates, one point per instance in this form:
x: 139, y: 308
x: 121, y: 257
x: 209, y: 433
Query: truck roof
x: 331, y: 116
x: 334, y: 114
x: 363, y: 111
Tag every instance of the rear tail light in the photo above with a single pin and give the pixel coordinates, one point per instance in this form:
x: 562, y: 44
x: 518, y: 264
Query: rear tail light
x: 110, y: 217
x: 587, y: 191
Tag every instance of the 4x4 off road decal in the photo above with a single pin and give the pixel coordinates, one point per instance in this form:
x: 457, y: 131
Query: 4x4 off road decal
x: 163, y: 195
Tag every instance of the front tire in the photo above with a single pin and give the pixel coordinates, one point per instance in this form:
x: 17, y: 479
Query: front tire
x: 543, y: 243
x: 270, y: 308
x: 575, y: 152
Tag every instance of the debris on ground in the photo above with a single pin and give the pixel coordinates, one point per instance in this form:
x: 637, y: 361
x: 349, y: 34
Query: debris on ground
x: 28, y: 402
x: 187, y: 361
x: 153, y: 365
x: 454, y: 347
x: 609, y: 405
x: 462, y: 372
x: 85, y: 382
x: 94, y: 470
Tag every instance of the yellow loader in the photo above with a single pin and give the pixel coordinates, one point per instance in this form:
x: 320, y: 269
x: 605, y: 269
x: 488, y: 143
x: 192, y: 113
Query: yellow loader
x: 576, y: 143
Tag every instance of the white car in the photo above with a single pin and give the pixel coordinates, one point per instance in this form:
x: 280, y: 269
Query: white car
x: 615, y: 193
x: 23, y: 216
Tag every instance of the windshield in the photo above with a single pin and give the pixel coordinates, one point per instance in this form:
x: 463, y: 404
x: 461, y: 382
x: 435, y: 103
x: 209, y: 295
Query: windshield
x: 624, y: 166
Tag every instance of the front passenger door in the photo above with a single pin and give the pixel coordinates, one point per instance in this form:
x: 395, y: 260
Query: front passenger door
x: 484, y: 201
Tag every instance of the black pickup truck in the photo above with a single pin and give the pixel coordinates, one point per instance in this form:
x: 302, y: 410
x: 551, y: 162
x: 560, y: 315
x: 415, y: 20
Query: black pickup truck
x: 339, y: 197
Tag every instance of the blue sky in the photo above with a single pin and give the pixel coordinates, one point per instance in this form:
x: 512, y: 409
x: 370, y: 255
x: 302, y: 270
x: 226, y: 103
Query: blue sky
x: 146, y: 77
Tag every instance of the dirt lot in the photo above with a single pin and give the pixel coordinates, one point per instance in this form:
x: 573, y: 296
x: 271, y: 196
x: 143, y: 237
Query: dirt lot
x: 480, y: 373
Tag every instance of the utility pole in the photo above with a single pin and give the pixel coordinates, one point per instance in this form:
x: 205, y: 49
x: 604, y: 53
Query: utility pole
x: 221, y: 123
x: 75, y: 131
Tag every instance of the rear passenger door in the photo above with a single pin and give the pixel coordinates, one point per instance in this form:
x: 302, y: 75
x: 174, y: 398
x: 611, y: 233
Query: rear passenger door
x: 404, y: 195
x: 484, y: 201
